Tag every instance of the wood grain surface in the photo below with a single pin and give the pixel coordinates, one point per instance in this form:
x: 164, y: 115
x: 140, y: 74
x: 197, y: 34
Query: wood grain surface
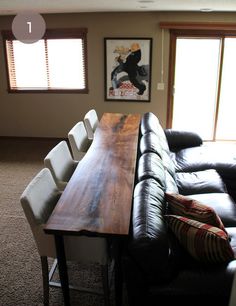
x: 98, y: 197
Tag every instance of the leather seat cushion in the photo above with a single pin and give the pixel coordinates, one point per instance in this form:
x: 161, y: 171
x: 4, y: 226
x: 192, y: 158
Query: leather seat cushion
x: 206, y: 181
x: 223, y: 205
x: 194, y: 159
x: 208, y: 156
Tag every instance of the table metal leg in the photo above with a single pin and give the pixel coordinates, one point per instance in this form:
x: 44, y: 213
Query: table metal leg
x: 59, y: 241
x: 117, y: 249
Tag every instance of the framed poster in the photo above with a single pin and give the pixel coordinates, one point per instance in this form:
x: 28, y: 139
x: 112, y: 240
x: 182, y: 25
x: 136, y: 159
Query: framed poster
x: 128, y: 69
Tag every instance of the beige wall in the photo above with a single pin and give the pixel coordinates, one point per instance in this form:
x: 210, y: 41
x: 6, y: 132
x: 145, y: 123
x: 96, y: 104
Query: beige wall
x: 52, y: 115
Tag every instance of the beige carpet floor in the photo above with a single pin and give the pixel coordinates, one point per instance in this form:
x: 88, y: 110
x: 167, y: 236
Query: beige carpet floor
x: 20, y: 269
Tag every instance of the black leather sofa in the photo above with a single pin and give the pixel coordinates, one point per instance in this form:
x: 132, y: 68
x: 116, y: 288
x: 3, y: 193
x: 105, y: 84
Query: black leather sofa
x: 177, y: 162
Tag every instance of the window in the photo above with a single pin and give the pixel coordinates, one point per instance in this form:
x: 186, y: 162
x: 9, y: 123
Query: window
x: 201, y: 94
x: 56, y: 63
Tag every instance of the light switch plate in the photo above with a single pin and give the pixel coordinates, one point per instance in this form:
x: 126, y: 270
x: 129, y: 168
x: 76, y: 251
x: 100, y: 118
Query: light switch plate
x: 160, y: 86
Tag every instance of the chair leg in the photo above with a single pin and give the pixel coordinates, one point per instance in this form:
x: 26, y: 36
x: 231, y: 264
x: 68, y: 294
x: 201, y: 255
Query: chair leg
x: 47, y: 281
x: 44, y: 264
x: 105, y: 283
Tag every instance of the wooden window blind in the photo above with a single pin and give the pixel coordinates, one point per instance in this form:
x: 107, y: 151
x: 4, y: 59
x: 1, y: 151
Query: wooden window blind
x: 56, y: 63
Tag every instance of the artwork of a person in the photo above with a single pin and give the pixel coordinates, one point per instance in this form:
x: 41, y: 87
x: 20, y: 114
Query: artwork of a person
x: 130, y: 66
x: 123, y: 52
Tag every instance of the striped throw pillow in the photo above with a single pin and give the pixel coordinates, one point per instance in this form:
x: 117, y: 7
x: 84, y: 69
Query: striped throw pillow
x: 193, y: 209
x: 206, y: 243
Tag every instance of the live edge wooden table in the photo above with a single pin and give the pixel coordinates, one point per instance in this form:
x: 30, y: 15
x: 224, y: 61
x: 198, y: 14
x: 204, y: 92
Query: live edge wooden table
x: 98, y: 198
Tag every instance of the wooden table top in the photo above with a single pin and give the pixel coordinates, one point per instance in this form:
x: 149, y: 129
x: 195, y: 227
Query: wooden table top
x: 98, y: 197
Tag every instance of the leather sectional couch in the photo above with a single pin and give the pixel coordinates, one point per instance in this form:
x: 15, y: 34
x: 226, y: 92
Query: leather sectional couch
x: 158, y: 270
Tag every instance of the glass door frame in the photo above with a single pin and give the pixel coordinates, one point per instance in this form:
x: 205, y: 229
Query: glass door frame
x: 185, y: 33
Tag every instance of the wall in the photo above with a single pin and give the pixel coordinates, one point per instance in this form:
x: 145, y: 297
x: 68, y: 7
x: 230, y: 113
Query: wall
x: 52, y: 115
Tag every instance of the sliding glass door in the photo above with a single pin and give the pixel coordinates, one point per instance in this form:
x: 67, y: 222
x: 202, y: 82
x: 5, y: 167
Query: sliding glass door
x: 203, y: 87
x: 226, y: 123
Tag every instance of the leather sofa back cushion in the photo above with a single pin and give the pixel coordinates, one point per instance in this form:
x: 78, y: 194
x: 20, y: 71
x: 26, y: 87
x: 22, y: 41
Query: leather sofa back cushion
x: 206, y: 243
x: 150, y: 143
x: 193, y: 209
x: 149, y: 243
x: 149, y: 123
x: 150, y: 166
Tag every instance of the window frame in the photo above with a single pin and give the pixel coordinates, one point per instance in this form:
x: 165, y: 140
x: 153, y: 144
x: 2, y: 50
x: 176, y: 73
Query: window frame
x: 195, y: 32
x: 51, y: 34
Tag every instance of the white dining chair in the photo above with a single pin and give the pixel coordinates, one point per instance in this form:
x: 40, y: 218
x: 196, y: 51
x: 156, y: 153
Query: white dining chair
x: 61, y: 164
x: 91, y: 122
x: 38, y: 201
x: 79, y: 142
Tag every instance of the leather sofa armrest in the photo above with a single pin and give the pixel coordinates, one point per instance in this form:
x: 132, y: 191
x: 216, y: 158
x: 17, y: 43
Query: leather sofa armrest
x: 178, y: 140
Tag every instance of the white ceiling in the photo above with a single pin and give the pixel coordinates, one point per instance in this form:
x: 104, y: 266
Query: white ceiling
x: 12, y: 7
